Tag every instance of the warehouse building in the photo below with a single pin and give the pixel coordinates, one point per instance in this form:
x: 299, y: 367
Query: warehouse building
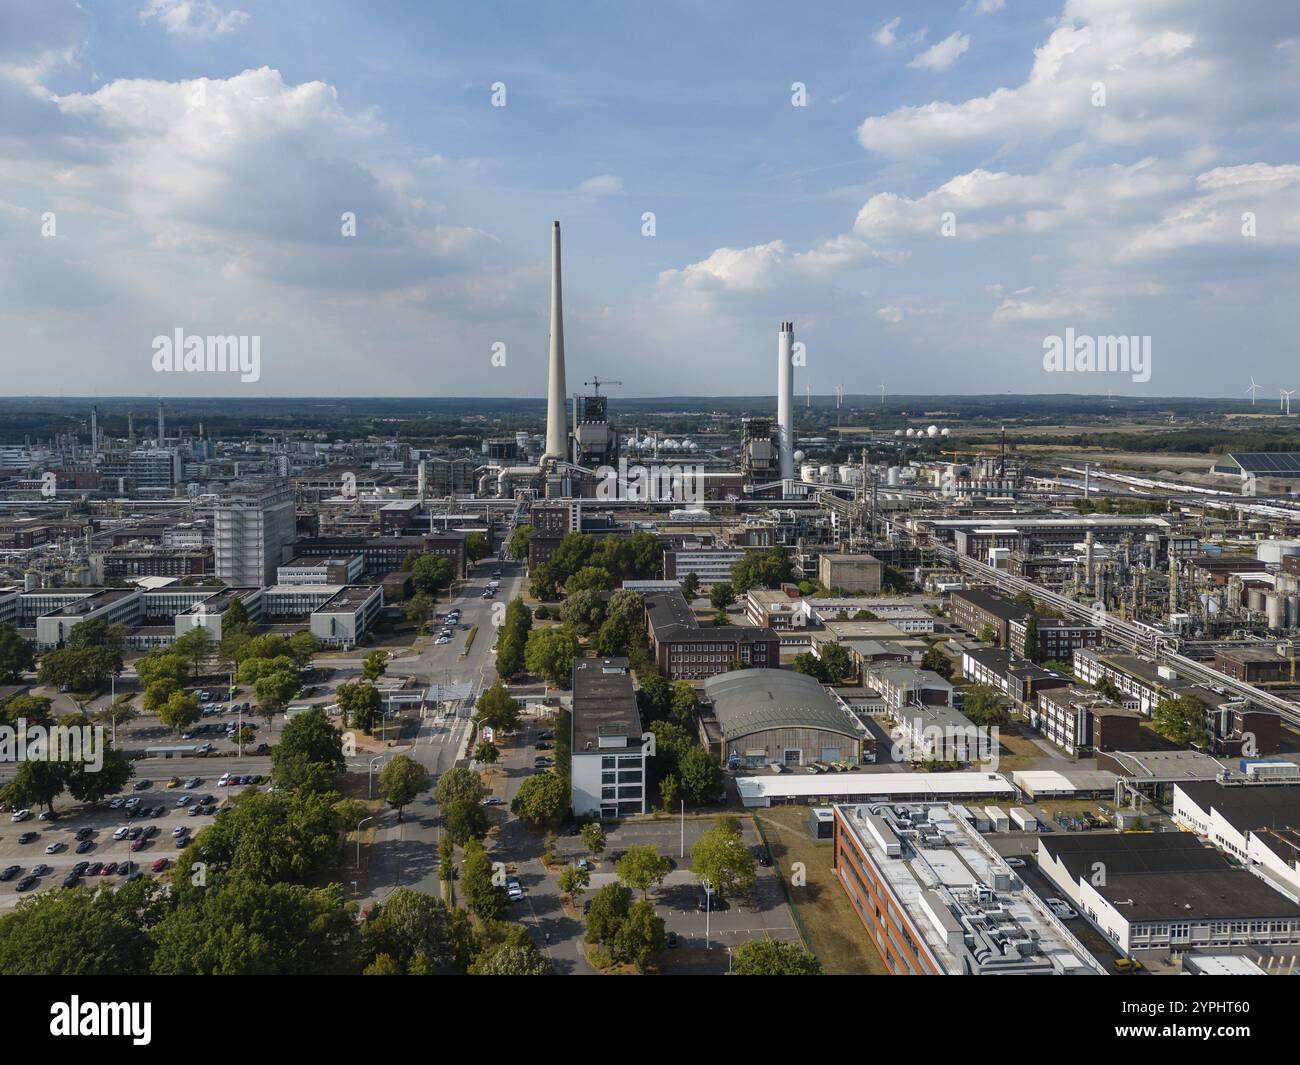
x: 776, y: 716
x: 854, y: 574
x: 935, y: 899
x: 1166, y: 892
x: 1257, y: 824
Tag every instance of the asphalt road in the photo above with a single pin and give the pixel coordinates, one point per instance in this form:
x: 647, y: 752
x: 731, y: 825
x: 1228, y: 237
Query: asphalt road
x: 406, y: 852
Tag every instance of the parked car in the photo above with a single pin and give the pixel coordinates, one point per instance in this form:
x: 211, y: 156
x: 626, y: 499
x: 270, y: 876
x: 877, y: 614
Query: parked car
x: 55, y: 847
x: 760, y: 853
x: 670, y: 939
x: 160, y: 865
x: 26, y: 883
x: 120, y: 833
x: 175, y: 782
x: 493, y: 800
x: 141, y: 784
x: 21, y: 815
x: 10, y: 872
x: 1015, y: 863
x: 94, y: 868
x: 39, y: 869
x: 85, y: 832
x: 48, y: 815
x: 109, y: 869
x: 715, y: 904
x: 184, y: 800
x: 139, y: 844
x: 29, y: 837
x: 181, y: 830
x: 514, y: 890
x: 72, y: 879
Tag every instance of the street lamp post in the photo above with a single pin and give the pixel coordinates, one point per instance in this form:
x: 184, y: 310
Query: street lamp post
x: 370, y: 791
x: 682, y: 854
x: 708, y: 910
x: 359, y: 824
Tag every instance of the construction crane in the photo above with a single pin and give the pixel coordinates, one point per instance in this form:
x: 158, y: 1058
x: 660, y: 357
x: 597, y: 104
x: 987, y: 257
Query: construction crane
x: 596, y: 382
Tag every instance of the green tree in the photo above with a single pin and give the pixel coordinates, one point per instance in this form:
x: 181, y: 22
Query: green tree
x: 583, y: 611
x: 374, y: 665
x: 313, y: 739
x: 589, y: 578
x: 179, y: 711
x: 654, y: 697
x: 642, y: 867
x: 721, y: 859
x: 573, y: 882
x: 246, y: 927
x: 593, y: 838
x: 691, y: 585
x: 513, y: 959
x: 16, y: 655
x: 196, y: 646
x: 721, y: 595
x: 1180, y: 719
x: 477, y: 546
x: 417, y: 609
x: 517, y: 545
x: 80, y: 932
x: 33, y: 709
x: 162, y: 666
x: 486, y: 752
x: 700, y: 775
x: 810, y: 665
x: 36, y: 783
x: 835, y: 657
x: 608, y: 911
x: 550, y: 654
x: 668, y: 788
x: 273, y: 692
x: 235, y: 620
x: 541, y: 800
x: 640, y: 936
x: 937, y: 662
x: 988, y: 634
x: 487, y: 899
x: 774, y: 957
x: 411, y: 925
x: 496, y: 709
x: 360, y: 704
x: 401, y: 780
x: 91, y: 784
x: 431, y: 574
x: 765, y: 568
x: 1109, y: 690
x: 1031, y: 639
x: 982, y: 704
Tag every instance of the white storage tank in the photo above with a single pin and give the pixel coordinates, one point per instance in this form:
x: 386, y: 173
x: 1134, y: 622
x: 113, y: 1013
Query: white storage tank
x: 1271, y: 552
x: 808, y: 472
x: 1275, y: 610
x: 1255, y: 600
x: 893, y: 476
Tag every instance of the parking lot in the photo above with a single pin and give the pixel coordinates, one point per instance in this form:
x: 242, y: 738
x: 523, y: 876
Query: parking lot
x: 677, y: 901
x: 102, y: 824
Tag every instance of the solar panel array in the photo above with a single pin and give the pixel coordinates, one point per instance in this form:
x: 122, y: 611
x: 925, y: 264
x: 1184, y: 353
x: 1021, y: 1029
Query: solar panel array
x: 1269, y: 463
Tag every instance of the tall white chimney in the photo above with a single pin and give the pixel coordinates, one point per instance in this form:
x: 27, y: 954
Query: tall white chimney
x: 162, y: 433
x: 556, y: 416
x: 785, y: 398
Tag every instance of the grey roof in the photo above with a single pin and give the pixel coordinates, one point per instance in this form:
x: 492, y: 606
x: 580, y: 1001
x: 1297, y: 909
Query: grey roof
x: 746, y: 701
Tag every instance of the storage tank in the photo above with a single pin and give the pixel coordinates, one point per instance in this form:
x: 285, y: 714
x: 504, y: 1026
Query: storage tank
x: 1255, y: 600
x: 932, y: 431
x: 1271, y: 552
x: 31, y: 581
x: 1293, y: 611
x: 826, y: 473
x: 892, y: 477
x: 1275, y: 610
x: 808, y: 472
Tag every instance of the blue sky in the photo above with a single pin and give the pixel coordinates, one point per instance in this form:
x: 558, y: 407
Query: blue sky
x: 1097, y: 166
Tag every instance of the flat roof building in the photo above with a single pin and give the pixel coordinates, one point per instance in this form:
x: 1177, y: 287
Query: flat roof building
x: 608, y: 758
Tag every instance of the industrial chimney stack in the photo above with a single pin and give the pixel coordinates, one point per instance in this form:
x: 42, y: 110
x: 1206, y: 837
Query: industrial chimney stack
x: 557, y: 446
x: 785, y: 398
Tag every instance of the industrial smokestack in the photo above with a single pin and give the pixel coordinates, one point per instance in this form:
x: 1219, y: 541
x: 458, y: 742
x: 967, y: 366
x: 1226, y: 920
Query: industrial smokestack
x: 785, y: 398
x: 161, y: 430
x: 94, y: 432
x: 556, y: 420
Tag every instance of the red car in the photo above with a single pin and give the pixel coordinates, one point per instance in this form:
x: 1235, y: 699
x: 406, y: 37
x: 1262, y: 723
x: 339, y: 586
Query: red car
x: 109, y: 869
x: 139, y: 844
x: 161, y: 864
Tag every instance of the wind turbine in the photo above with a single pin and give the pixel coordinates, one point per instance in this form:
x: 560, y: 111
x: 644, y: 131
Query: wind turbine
x: 1286, y: 398
x: 1252, y: 390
